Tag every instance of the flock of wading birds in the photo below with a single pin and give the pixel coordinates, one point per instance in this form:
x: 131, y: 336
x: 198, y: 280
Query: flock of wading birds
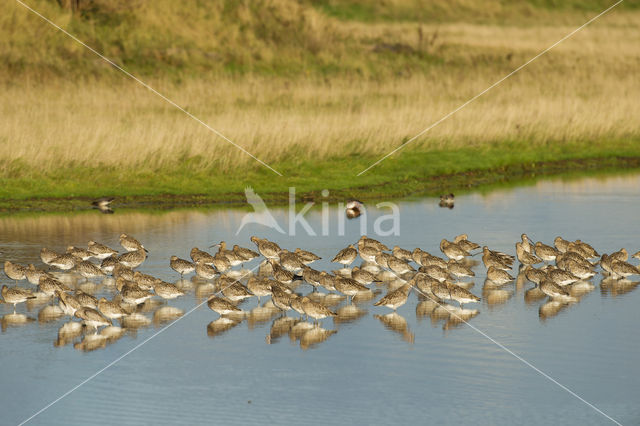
x: 563, y: 278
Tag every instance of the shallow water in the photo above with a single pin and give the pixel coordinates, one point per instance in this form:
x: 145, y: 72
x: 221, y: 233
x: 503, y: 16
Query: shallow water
x: 424, y: 366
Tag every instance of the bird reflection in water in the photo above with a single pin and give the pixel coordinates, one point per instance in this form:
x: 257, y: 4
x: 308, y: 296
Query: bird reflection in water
x: 397, y: 323
x: 91, y: 342
x: 364, y: 296
x: 299, y: 329
x: 40, y: 300
x: 221, y: 326
x: 327, y: 299
x: 425, y: 308
x: 50, y: 313
x: 14, y: 320
x: 550, y: 309
x: 204, y: 290
x: 458, y: 317
x: 148, y: 306
x: 521, y: 279
x: 90, y: 287
x: 262, y: 314
x: 496, y: 296
x: 315, y: 336
x: 533, y: 295
x: 103, y: 205
x: 348, y: 314
x: 307, y: 333
x: 166, y: 314
x: 135, y: 321
x: 112, y: 333
x: 185, y: 285
x: 451, y: 316
x: 581, y: 288
x: 615, y: 287
x: 68, y: 332
x: 279, y: 328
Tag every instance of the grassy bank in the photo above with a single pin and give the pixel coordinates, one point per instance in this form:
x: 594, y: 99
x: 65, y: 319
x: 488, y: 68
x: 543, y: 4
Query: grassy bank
x: 317, y: 89
x: 398, y: 179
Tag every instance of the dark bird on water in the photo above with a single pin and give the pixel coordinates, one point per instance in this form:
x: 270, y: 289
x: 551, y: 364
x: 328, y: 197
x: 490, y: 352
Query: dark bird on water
x: 354, y: 208
x: 447, y: 200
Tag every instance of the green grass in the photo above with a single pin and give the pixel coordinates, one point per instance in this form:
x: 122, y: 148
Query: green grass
x: 404, y: 174
x: 487, y: 11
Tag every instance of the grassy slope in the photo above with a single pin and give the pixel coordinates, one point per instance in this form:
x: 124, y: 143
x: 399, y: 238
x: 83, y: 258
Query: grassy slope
x: 274, y: 38
x: 269, y: 37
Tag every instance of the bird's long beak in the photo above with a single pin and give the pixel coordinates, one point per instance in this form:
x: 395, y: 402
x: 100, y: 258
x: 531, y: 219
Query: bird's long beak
x: 215, y: 245
x: 146, y: 250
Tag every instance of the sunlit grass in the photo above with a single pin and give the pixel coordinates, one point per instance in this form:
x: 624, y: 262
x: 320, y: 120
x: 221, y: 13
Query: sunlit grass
x: 419, y: 172
x: 103, y: 133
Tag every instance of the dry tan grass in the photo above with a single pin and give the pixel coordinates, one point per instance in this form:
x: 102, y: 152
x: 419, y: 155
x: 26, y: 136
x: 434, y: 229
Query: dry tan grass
x: 586, y: 89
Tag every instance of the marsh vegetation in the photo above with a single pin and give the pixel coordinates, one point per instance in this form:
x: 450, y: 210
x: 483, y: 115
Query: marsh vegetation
x: 318, y: 90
